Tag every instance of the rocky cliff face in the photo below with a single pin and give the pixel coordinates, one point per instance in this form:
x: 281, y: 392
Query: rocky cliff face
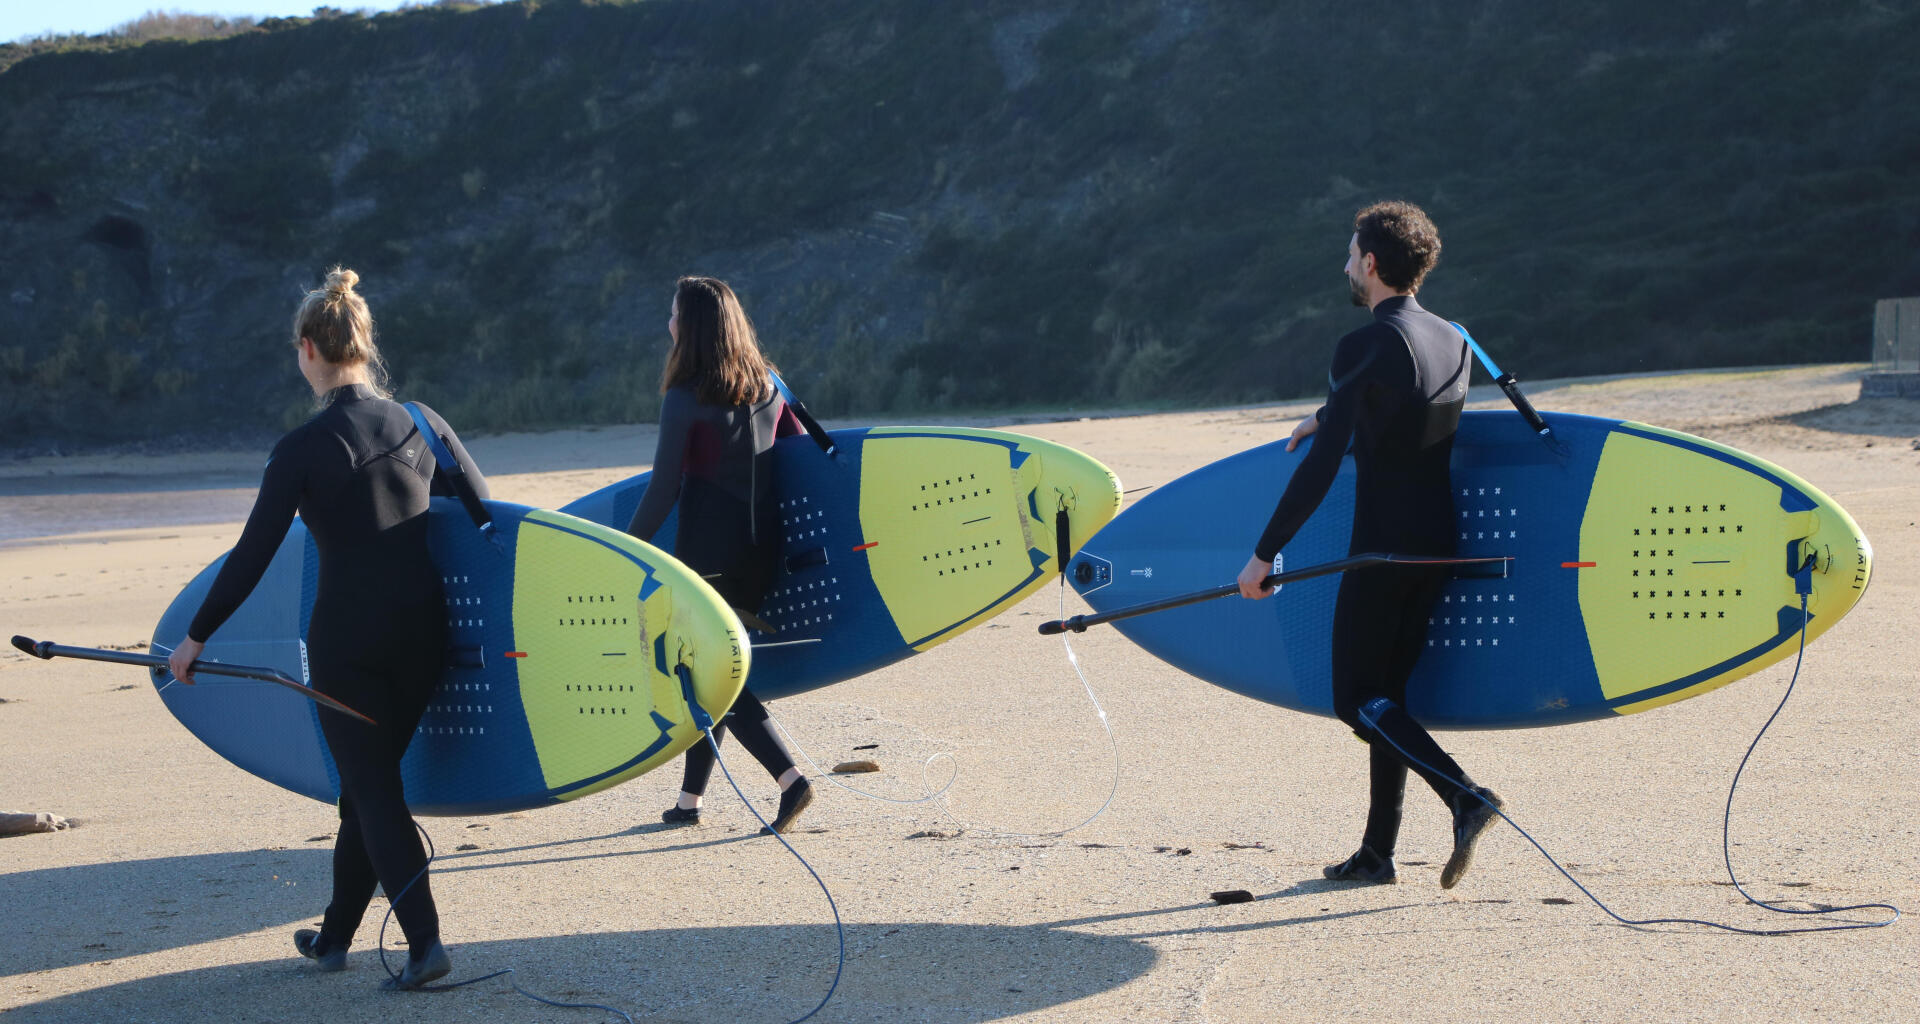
x: 931, y: 205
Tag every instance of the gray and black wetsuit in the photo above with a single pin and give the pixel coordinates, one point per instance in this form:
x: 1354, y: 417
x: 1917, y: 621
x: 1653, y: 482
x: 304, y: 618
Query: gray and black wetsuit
x: 360, y: 475
x: 716, y: 463
x: 1395, y: 393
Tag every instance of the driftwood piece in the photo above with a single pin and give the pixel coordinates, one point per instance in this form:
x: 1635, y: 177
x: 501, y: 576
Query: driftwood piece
x: 15, y: 823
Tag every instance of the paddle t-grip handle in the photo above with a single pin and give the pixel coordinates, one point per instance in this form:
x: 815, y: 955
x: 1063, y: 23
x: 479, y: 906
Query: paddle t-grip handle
x: 1510, y: 385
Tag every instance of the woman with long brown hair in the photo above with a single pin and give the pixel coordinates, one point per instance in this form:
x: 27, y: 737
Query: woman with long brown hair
x: 719, y: 417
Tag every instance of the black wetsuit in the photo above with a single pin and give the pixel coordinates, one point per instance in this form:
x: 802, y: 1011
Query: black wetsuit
x: 716, y: 462
x: 1395, y: 393
x: 359, y: 474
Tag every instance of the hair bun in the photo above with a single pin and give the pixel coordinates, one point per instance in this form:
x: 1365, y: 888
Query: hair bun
x: 340, y: 281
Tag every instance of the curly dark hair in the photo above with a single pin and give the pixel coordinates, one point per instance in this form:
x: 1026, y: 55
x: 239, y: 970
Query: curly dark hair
x: 1404, y: 243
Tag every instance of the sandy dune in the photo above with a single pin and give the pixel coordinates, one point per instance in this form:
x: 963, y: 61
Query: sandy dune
x: 175, y: 897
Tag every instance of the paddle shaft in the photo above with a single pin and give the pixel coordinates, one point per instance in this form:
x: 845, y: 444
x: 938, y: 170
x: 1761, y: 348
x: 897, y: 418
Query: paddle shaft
x: 1079, y: 623
x: 45, y: 650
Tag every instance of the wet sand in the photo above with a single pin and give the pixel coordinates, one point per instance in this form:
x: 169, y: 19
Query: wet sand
x: 175, y: 897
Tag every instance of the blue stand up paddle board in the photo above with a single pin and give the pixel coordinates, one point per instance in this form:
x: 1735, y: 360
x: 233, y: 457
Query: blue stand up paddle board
x: 1649, y: 566
x: 903, y: 538
x: 561, y: 678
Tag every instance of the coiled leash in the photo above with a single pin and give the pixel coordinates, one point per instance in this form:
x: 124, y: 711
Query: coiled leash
x: 1725, y: 834
x: 705, y: 723
x: 1063, y: 550
x: 1062, y: 543
x: 926, y: 767
x: 394, y: 977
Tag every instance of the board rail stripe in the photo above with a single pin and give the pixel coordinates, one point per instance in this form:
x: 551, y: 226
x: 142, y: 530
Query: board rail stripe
x: 1578, y: 565
x: 869, y: 544
x: 1802, y: 503
x: 1788, y: 626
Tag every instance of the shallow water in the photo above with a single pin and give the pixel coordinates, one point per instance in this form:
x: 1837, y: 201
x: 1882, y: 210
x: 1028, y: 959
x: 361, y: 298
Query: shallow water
x: 36, y: 508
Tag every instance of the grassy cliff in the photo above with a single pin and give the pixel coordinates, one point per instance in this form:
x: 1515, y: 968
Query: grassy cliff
x: 935, y: 206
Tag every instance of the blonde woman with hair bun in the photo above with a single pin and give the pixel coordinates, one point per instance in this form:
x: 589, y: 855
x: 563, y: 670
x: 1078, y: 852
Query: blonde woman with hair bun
x: 336, y: 321
x: 359, y: 473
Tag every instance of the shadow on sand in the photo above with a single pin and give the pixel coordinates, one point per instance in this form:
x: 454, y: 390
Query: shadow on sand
x: 1877, y: 417
x: 1178, y: 926
x: 215, y: 896
x: 895, y: 971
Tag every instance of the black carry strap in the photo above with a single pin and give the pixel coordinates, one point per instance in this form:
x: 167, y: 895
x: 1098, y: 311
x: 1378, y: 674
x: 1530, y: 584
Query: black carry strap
x: 814, y: 430
x: 451, y: 469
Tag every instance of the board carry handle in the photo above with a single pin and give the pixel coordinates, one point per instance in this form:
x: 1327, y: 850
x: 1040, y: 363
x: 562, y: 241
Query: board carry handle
x: 47, y: 650
x: 1079, y: 623
x: 456, y: 476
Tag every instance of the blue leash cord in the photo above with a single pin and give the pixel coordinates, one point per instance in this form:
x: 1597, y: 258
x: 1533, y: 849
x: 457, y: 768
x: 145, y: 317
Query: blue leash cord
x: 450, y: 986
x: 1725, y: 835
x: 705, y: 723
x: 1726, y: 822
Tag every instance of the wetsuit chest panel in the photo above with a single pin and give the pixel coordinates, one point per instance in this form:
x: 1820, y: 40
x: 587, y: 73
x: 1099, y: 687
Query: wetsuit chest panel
x: 1427, y: 388
x: 368, y: 480
x: 723, y: 451
x: 1404, y: 435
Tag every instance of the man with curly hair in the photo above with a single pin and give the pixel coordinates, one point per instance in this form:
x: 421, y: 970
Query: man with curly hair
x: 1394, y: 394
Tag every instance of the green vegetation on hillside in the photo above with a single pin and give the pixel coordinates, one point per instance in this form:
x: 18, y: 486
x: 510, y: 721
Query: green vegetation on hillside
x: 936, y: 206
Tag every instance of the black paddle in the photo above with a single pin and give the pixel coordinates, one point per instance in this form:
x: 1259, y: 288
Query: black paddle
x: 46, y: 650
x: 1079, y: 623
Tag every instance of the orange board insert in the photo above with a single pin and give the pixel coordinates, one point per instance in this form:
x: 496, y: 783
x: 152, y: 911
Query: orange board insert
x: 869, y: 544
x: 1578, y: 565
x: 516, y: 654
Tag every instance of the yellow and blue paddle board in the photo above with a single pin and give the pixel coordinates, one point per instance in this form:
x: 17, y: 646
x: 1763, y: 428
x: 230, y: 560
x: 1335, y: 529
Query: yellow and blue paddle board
x: 565, y: 640
x: 902, y: 539
x: 1648, y: 566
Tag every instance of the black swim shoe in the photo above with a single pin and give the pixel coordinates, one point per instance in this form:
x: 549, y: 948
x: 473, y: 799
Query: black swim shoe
x: 1472, y: 815
x: 1364, y: 866
x: 326, y: 958
x: 681, y: 816
x: 793, y: 800
x: 431, y: 965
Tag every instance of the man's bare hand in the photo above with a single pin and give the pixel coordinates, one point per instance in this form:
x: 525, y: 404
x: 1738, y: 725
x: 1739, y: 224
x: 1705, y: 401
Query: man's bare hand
x: 1253, y: 576
x: 180, y: 662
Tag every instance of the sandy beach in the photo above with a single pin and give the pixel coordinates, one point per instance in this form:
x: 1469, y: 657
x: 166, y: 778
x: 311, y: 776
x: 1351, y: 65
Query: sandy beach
x: 175, y: 897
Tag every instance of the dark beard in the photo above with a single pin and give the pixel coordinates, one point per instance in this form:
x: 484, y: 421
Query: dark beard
x: 1358, y: 293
